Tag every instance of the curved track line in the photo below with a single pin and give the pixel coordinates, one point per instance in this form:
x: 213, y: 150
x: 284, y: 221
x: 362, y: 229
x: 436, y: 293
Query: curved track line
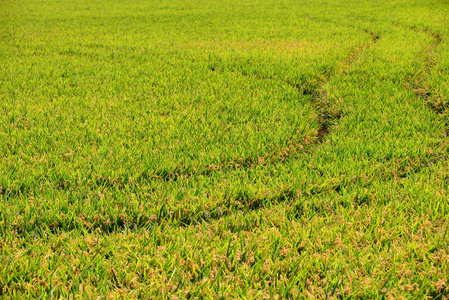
x: 326, y: 117
x: 242, y: 202
x: 420, y: 86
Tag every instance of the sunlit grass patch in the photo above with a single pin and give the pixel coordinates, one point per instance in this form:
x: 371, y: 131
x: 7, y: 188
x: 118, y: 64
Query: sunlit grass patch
x: 227, y: 149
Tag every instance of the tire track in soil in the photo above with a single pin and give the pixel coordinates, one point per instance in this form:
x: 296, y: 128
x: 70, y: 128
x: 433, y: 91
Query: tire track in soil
x: 420, y: 86
x: 327, y: 115
x: 419, y: 82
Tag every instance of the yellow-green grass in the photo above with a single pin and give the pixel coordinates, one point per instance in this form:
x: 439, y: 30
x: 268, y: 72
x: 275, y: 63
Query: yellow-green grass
x: 251, y: 149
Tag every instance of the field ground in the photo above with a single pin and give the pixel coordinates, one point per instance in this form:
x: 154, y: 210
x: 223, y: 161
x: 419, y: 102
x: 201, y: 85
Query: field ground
x: 224, y: 149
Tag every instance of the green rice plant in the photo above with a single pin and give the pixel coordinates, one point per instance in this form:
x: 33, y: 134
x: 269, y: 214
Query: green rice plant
x: 222, y: 149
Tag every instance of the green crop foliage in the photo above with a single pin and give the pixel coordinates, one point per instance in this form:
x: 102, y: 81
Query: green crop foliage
x: 252, y: 149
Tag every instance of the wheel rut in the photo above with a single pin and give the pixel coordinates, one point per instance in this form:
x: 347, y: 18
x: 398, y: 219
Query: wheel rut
x: 419, y: 83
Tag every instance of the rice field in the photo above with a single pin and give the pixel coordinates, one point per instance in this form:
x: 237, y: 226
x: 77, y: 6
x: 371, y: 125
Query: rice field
x: 252, y: 149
